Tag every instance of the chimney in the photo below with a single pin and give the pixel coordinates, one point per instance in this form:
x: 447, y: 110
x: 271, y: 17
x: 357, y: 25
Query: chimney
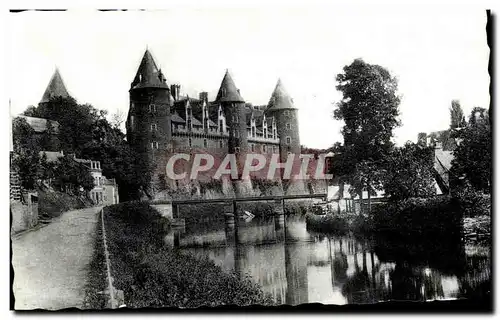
x: 177, y: 91
x: 204, y: 96
x: 172, y: 91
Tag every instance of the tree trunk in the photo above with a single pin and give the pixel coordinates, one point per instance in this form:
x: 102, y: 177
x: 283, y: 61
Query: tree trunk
x: 369, y: 200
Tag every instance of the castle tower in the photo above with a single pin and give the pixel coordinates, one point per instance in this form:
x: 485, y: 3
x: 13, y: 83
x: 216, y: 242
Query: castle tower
x: 148, y: 123
x: 233, y: 107
x: 56, y: 88
x: 281, y: 107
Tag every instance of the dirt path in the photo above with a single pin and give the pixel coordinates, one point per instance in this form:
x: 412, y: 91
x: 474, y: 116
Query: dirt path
x: 50, y: 264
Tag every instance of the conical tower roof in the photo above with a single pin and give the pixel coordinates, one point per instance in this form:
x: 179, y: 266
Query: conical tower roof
x: 148, y: 75
x: 280, y: 99
x: 56, y: 88
x: 228, y: 91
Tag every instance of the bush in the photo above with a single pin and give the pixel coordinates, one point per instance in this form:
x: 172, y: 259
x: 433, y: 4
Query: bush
x: 418, y: 218
x: 327, y: 223
x: 152, y: 275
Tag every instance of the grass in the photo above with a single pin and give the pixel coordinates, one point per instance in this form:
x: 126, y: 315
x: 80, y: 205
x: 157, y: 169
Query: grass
x: 152, y: 275
x: 96, y: 281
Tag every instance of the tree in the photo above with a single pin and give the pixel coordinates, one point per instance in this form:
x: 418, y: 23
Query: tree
x: 117, y: 119
x: 456, y: 115
x: 473, y: 154
x: 409, y: 172
x: 369, y: 108
x: 26, y: 149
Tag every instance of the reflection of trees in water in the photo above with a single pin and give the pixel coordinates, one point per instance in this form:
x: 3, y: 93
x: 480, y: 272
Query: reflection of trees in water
x: 476, y: 281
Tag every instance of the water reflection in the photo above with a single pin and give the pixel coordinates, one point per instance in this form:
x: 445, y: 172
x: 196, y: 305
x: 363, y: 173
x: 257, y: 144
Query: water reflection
x: 295, y: 266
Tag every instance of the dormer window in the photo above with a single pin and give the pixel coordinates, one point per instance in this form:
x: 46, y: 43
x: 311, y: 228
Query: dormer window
x: 221, y: 126
x: 223, y: 92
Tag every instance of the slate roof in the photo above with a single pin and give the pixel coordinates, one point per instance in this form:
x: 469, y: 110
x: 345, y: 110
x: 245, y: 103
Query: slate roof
x: 176, y: 118
x: 232, y: 93
x: 56, y: 88
x: 280, y: 99
x: 40, y: 124
x: 52, y: 156
x: 148, y: 75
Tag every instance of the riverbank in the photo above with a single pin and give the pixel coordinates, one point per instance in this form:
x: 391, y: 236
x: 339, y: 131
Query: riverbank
x: 412, y: 219
x: 152, y: 275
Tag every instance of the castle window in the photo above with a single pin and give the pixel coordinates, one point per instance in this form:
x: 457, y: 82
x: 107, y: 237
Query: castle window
x: 190, y: 142
x: 288, y: 140
x: 252, y: 147
x: 152, y: 108
x: 221, y: 144
x: 154, y: 145
x: 221, y: 126
x: 154, y: 127
x: 189, y: 126
x: 288, y: 126
x: 253, y: 131
x: 205, y: 143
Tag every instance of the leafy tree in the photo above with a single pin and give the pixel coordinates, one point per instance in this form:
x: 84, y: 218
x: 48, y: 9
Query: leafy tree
x: 85, y: 131
x: 473, y: 155
x: 456, y: 115
x: 26, y: 153
x: 409, y: 173
x: 73, y: 174
x: 369, y: 108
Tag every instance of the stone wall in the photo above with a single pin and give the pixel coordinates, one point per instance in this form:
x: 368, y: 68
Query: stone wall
x: 24, y: 213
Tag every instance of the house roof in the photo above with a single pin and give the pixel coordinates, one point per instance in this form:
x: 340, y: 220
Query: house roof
x: 280, y: 99
x: 148, y: 75
x: 52, y: 156
x: 40, y: 124
x: 176, y: 118
x: 56, y: 88
x: 228, y: 91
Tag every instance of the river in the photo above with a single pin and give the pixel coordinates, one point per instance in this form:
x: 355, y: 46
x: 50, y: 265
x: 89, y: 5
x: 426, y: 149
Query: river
x: 297, y: 266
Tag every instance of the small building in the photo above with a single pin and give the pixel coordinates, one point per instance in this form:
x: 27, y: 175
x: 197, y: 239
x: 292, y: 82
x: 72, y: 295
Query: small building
x: 105, y: 191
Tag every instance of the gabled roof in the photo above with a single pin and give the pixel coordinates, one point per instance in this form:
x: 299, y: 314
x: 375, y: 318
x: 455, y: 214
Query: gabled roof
x: 176, y: 118
x: 280, y: 99
x: 56, y: 88
x: 228, y: 91
x: 40, y: 124
x: 148, y: 75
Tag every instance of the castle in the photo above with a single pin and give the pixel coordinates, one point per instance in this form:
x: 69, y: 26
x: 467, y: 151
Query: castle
x: 161, y: 121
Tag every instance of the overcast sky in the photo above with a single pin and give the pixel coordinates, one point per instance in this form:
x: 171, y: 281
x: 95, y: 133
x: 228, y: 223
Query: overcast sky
x: 437, y: 55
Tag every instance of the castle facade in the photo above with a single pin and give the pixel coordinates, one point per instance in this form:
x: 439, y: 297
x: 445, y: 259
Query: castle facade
x: 161, y: 121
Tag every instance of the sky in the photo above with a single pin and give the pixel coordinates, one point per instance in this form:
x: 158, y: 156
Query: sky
x: 437, y: 54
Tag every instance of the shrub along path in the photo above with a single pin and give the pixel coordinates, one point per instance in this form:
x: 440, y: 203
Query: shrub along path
x: 50, y: 264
